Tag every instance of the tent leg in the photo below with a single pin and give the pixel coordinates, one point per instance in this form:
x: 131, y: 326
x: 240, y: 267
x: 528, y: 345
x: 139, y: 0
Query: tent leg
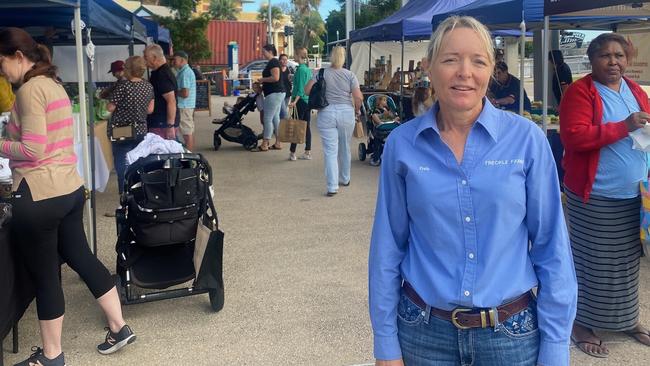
x: 522, y: 51
x: 91, y: 137
x: 369, y: 63
x: 83, y: 126
x: 401, y: 86
x: 545, y: 38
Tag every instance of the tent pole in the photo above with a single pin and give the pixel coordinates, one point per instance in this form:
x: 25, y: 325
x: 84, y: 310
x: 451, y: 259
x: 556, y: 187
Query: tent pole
x: 545, y: 40
x: 522, y: 51
x: 91, y: 137
x: 401, y: 86
x: 83, y: 126
x: 131, y: 52
x: 369, y: 63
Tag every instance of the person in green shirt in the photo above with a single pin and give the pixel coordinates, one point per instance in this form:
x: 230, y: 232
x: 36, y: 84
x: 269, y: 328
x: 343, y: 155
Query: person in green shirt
x: 300, y: 100
x: 7, y: 96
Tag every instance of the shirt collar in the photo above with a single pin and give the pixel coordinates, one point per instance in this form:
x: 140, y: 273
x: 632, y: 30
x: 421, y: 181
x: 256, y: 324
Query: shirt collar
x: 488, y: 119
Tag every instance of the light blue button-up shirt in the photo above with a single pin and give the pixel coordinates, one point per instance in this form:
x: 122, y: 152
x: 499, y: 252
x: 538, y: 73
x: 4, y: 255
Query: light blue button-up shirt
x: 474, y: 234
x: 186, y: 80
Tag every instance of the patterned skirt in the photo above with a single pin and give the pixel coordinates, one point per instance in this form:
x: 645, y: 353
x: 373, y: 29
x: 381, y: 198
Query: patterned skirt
x: 606, y: 249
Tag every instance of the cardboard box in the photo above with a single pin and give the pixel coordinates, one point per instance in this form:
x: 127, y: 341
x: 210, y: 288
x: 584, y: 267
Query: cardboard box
x: 102, y: 137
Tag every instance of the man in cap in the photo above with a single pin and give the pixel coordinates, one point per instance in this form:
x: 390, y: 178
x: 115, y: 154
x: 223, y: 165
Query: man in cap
x: 186, y: 93
x: 117, y: 69
x: 165, y: 116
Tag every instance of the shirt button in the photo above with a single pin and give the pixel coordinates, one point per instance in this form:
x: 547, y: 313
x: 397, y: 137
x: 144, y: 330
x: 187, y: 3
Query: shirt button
x: 467, y: 219
x: 463, y: 181
x: 466, y: 293
x: 471, y: 255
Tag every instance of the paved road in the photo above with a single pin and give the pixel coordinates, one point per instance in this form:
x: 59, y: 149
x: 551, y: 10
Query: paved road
x: 295, y: 275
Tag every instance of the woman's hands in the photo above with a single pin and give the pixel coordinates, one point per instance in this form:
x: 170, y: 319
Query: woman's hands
x: 637, y: 120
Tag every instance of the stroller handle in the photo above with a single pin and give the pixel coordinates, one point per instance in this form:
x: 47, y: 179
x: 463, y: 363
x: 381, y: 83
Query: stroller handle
x: 162, y: 157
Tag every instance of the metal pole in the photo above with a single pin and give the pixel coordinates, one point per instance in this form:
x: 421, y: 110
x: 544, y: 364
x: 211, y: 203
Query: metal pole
x: 369, y: 64
x: 545, y: 37
x: 269, y: 12
x: 349, y: 17
x: 522, y: 50
x: 83, y: 126
x: 131, y: 51
x: 91, y: 137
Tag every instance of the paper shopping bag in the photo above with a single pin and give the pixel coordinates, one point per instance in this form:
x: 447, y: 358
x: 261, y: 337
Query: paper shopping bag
x: 292, y: 129
x: 358, y: 130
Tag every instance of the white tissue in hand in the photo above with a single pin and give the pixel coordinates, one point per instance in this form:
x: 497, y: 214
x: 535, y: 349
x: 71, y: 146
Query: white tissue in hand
x: 641, y: 139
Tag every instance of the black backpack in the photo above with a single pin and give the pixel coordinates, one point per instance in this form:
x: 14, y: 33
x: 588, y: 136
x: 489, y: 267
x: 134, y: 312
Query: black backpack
x: 317, y: 98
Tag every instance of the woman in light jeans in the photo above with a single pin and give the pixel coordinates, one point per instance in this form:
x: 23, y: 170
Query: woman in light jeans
x: 336, y: 121
x: 273, y: 97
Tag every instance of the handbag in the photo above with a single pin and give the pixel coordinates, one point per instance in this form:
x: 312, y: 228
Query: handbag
x: 126, y: 133
x: 645, y: 218
x: 317, y: 98
x: 208, y: 256
x: 358, y: 130
x: 292, y: 129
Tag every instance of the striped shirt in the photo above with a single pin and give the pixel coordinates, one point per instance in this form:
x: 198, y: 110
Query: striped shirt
x: 40, y: 143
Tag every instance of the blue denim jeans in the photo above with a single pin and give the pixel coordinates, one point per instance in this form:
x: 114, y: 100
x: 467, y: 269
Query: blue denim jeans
x: 272, y: 106
x: 119, y: 160
x: 335, y: 124
x: 430, y: 341
x: 284, y: 109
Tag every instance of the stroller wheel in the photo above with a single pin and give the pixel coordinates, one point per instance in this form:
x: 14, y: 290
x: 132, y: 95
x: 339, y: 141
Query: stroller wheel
x: 250, y: 143
x: 216, y: 299
x: 362, y: 151
x: 216, y: 141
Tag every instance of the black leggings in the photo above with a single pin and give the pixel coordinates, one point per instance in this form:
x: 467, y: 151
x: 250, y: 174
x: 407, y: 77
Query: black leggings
x: 47, y: 232
x: 304, y: 113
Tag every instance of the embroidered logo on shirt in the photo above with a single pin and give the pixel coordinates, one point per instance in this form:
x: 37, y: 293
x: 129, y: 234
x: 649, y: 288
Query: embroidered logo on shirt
x: 423, y: 168
x: 504, y: 162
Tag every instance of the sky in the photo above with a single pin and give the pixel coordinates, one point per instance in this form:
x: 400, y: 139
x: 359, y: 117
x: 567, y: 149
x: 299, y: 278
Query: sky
x: 325, y: 6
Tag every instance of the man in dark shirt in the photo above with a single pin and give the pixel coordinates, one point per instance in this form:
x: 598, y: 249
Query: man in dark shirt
x: 561, y: 74
x: 165, y: 116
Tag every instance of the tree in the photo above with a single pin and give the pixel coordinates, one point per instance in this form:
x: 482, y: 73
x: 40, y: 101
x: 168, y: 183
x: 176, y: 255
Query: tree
x: 308, y: 29
x: 188, y: 33
x: 276, y: 14
x: 224, y: 9
x: 374, y: 11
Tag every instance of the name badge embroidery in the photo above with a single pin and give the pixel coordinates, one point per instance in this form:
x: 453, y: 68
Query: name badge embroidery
x: 504, y: 162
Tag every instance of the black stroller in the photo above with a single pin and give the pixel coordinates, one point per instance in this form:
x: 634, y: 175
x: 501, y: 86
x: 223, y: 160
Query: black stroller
x: 166, y: 198
x: 232, y: 129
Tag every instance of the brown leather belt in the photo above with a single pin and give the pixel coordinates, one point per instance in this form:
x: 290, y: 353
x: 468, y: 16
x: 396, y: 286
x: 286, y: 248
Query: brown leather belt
x: 466, y: 318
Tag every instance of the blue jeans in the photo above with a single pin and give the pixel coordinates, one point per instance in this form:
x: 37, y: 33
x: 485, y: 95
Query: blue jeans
x: 284, y: 110
x: 335, y: 124
x: 430, y: 341
x: 272, y: 106
x: 119, y: 160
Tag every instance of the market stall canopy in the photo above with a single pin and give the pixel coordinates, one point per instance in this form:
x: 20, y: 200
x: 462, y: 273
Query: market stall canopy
x: 595, y: 7
x: 156, y: 31
x: 412, y: 21
x: 508, y: 14
x: 108, y: 20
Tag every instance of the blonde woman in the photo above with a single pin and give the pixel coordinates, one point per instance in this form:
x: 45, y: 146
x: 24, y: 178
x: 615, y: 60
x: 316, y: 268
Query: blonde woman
x: 131, y: 101
x: 454, y: 255
x: 336, y: 121
x: 299, y: 99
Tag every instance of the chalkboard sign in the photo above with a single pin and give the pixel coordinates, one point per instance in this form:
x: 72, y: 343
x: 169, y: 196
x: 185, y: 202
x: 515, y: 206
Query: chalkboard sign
x: 203, y: 96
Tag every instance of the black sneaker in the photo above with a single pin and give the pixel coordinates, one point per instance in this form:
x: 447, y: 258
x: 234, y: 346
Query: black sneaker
x: 115, y: 341
x: 38, y: 358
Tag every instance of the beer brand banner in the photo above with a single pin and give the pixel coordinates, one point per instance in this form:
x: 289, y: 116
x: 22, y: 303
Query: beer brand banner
x: 557, y: 7
x: 638, y: 68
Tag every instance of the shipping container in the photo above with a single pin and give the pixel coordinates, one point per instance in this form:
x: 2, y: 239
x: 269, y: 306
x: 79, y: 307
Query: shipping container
x: 250, y: 37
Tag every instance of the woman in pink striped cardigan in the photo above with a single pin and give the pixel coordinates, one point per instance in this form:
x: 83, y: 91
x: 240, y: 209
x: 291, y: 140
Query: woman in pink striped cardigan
x: 49, y: 195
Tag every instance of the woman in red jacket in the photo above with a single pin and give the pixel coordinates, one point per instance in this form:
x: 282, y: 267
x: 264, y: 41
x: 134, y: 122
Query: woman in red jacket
x: 602, y: 178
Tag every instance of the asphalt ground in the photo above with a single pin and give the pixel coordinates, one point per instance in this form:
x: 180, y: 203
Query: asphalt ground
x: 295, y: 271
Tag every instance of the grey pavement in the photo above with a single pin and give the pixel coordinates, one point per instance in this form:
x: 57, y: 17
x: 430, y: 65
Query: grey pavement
x: 295, y: 271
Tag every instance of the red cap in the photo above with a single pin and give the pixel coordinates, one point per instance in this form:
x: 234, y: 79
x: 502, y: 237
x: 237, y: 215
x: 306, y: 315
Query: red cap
x: 116, y: 66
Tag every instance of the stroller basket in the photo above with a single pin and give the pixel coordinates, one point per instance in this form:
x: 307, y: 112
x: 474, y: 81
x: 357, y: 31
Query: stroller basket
x: 165, y: 200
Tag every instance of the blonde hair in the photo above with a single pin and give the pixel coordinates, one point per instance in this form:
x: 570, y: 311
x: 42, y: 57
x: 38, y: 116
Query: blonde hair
x: 301, y: 55
x: 382, y: 97
x: 452, y: 23
x: 155, y: 50
x: 134, y: 67
x: 337, y: 57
